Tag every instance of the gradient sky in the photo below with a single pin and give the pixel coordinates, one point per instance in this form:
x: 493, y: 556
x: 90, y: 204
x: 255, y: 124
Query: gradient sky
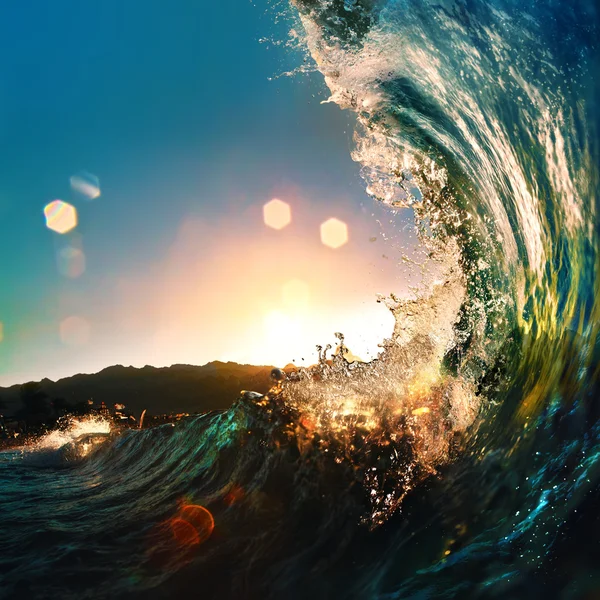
x: 173, y: 109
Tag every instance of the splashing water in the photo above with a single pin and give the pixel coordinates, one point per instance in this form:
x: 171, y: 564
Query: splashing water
x: 71, y: 430
x: 403, y: 407
x: 72, y: 440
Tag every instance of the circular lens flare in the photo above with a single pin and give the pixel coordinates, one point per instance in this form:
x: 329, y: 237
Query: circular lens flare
x: 184, y: 532
x: 193, y: 525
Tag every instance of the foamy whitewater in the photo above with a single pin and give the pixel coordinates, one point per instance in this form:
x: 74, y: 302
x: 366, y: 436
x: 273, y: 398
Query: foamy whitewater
x: 463, y: 462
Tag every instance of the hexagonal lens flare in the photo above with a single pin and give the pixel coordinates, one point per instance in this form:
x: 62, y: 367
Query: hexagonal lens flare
x: 75, y: 331
x: 86, y: 184
x: 60, y: 216
x: 334, y: 233
x: 277, y: 214
x: 71, y: 262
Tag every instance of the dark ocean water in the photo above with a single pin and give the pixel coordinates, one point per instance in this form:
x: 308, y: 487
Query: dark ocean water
x: 465, y: 463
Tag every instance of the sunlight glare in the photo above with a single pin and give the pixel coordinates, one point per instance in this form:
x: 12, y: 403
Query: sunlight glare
x: 295, y: 294
x: 278, y: 325
x: 292, y: 337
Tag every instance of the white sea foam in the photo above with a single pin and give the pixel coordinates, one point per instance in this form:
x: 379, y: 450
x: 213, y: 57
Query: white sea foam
x: 73, y: 440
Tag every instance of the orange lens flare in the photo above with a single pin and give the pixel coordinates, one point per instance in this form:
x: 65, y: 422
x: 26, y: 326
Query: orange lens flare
x: 235, y: 494
x: 184, y: 532
x: 193, y: 525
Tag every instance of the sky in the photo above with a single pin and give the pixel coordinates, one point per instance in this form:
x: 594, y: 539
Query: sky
x: 178, y: 116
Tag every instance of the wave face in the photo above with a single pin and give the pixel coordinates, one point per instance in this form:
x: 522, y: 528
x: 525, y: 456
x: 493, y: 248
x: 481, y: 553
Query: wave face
x: 465, y: 461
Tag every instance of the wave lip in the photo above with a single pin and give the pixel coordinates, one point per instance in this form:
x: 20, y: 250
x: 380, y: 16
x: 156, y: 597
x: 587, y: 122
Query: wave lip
x: 483, y: 121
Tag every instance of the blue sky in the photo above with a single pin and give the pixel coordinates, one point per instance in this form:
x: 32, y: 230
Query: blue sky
x: 173, y: 109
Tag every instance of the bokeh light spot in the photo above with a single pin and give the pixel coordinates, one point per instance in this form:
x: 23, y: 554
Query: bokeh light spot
x: 86, y: 184
x: 192, y: 525
x: 334, y: 233
x: 71, y: 262
x: 235, y: 494
x: 200, y: 518
x: 60, y: 216
x: 75, y: 331
x: 296, y: 294
x: 1, y: 331
x: 184, y: 532
x: 277, y: 214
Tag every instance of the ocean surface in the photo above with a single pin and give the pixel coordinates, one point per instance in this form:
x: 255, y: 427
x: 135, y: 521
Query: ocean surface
x: 465, y: 461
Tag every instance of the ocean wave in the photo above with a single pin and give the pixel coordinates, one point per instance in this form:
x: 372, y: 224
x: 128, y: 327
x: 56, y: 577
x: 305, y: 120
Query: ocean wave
x: 455, y: 464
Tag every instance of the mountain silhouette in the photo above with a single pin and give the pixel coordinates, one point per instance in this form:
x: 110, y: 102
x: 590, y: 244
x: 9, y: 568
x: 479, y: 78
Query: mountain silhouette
x: 175, y: 389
